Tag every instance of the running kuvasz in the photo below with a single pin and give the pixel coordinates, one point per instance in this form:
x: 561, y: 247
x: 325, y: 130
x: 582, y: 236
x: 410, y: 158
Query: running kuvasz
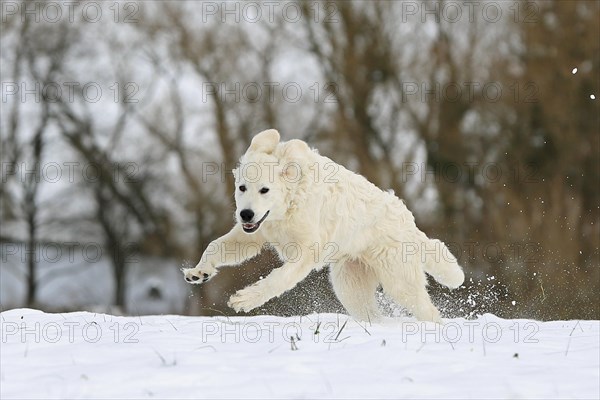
x: 314, y: 212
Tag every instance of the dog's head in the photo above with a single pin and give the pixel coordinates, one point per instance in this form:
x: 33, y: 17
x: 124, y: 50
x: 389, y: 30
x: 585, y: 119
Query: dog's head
x: 265, y: 178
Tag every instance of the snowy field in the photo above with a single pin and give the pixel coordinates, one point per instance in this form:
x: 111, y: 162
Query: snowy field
x: 86, y: 355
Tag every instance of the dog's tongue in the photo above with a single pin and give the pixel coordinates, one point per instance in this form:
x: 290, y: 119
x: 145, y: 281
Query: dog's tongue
x: 249, y: 226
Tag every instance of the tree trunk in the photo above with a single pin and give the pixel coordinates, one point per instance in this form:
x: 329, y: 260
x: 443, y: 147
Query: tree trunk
x: 31, y: 263
x: 119, y: 270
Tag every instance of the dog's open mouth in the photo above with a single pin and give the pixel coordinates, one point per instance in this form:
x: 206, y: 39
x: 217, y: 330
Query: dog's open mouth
x: 249, y: 228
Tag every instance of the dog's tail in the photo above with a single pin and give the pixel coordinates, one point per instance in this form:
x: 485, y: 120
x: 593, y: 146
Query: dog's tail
x: 441, y: 264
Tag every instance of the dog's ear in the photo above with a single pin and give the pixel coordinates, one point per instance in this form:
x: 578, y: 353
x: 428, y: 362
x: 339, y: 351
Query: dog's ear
x: 294, y: 158
x: 295, y: 149
x: 265, y: 141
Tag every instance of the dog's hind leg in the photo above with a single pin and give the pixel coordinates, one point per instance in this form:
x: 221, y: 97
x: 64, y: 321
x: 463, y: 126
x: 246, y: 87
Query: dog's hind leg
x: 415, y: 299
x: 355, y: 285
x: 406, y: 283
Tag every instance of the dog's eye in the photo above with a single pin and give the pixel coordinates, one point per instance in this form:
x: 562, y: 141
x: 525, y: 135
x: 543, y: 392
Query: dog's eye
x: 264, y: 190
x: 242, y: 188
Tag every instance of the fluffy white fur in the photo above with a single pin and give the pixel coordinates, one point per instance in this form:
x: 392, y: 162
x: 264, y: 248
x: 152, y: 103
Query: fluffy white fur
x: 318, y: 213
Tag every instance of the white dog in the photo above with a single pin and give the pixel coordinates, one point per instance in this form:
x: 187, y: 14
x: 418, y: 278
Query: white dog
x: 314, y: 212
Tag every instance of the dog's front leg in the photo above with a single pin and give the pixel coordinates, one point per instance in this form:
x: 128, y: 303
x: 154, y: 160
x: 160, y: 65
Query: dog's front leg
x: 230, y: 249
x: 275, y: 284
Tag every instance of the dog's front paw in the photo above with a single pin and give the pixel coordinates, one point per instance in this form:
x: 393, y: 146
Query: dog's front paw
x: 199, y: 274
x: 246, y: 299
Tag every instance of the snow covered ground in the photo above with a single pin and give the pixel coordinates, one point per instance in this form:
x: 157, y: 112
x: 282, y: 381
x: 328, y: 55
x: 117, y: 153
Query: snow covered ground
x: 86, y: 355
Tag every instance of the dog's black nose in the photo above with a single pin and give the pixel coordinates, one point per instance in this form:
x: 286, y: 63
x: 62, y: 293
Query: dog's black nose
x: 247, y: 215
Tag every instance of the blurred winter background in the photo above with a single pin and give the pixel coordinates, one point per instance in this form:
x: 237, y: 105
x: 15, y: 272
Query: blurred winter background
x: 121, y: 122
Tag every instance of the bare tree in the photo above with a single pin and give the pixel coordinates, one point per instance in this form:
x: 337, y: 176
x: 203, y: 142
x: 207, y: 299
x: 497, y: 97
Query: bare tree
x: 35, y: 60
x: 550, y: 131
